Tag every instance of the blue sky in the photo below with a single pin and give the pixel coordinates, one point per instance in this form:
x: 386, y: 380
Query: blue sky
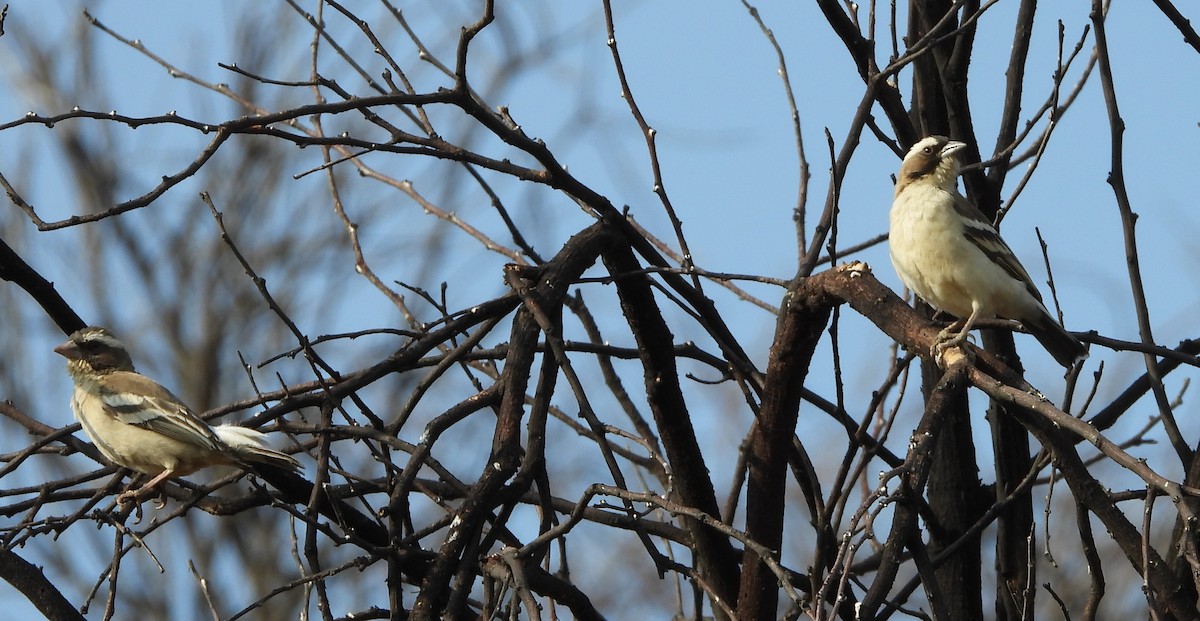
x: 706, y: 79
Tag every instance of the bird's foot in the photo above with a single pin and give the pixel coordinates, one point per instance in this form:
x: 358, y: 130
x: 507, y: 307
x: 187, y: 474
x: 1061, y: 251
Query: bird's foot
x: 135, y: 495
x: 128, y: 497
x: 950, y: 337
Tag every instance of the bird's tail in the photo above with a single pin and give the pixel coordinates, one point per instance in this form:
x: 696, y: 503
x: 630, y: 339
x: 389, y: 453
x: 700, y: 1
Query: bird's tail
x: 1065, y: 348
x: 248, y: 445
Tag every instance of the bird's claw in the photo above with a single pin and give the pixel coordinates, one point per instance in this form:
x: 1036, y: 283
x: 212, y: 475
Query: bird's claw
x: 131, y: 497
x: 950, y: 338
x: 135, y: 495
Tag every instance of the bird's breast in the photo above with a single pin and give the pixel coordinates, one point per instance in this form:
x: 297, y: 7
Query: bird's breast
x: 928, y: 249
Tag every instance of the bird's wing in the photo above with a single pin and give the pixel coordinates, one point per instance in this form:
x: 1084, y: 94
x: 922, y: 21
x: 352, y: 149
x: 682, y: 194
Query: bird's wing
x: 980, y: 232
x: 137, y: 400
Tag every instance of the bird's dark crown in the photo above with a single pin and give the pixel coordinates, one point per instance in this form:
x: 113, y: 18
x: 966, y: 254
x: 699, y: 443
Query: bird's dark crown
x: 97, y: 348
x: 933, y: 159
x: 924, y: 156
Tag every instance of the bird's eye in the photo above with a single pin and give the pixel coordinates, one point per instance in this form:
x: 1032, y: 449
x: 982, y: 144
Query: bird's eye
x: 927, y: 150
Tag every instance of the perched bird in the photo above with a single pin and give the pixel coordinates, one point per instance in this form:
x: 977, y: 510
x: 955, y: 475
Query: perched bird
x: 138, y: 424
x: 950, y: 255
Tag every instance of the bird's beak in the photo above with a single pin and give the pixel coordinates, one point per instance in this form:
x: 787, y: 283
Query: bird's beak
x: 68, y: 350
x: 953, y: 147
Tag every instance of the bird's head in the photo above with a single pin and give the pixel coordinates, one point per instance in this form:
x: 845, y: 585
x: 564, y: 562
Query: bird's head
x: 935, y: 157
x: 95, y: 349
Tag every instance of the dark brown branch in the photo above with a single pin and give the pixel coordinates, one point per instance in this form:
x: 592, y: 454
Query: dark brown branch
x: 717, y: 563
x: 15, y: 270
x: 1090, y: 493
x: 806, y: 310
x: 1013, y: 93
x: 33, y: 584
x: 1182, y: 23
x: 944, y: 402
x: 546, y: 291
x: 862, y: 53
x: 1116, y: 179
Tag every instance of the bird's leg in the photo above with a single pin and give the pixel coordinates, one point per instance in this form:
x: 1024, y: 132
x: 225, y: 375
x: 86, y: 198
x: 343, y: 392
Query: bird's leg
x: 132, y: 495
x: 950, y: 336
x: 953, y: 335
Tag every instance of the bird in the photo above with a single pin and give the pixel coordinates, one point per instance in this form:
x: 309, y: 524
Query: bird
x: 137, y: 423
x: 948, y: 253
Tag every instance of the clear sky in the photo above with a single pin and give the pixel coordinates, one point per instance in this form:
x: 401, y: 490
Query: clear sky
x: 707, y: 80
